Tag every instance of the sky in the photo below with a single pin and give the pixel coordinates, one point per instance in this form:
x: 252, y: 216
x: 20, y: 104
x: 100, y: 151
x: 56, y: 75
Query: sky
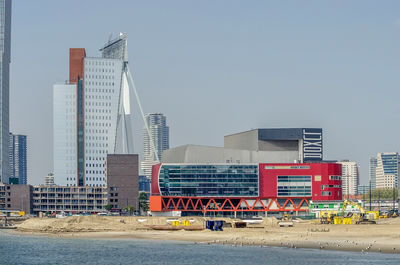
x: 220, y: 67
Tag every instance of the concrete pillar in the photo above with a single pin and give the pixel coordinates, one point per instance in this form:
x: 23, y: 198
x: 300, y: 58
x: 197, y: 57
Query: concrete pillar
x: 235, y: 214
x: 266, y: 214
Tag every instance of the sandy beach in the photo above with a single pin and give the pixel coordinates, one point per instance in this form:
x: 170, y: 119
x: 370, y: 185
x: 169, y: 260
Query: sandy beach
x: 383, y: 237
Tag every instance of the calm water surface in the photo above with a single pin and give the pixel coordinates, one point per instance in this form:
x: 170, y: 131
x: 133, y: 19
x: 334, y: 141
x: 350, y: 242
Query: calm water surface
x: 19, y: 249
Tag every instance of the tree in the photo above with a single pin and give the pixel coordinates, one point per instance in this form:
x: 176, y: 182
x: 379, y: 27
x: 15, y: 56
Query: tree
x: 129, y: 209
x: 143, y: 202
x: 108, y: 207
x: 382, y: 194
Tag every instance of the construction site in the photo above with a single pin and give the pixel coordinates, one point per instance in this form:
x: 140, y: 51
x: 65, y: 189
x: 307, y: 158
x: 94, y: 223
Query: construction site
x: 355, y: 233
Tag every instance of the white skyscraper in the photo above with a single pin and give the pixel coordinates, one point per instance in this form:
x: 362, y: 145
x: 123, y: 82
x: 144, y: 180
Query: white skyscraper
x: 350, y: 177
x: 92, y: 115
x: 159, y: 132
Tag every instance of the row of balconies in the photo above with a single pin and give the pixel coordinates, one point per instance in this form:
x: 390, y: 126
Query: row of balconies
x: 68, y: 195
x: 67, y: 207
x: 69, y: 190
x: 66, y: 202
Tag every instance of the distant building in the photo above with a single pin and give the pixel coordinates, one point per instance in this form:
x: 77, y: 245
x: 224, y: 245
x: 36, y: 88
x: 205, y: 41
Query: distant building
x: 16, y: 197
x: 159, y: 131
x: 5, y: 58
x: 49, y: 180
x: 122, y: 190
x: 144, y: 184
x: 276, y: 145
x: 57, y: 199
x: 92, y: 115
x: 18, y: 158
x: 123, y: 180
x: 350, y: 177
x: 372, y: 171
x: 363, y: 189
x: 305, y: 143
x: 387, y: 170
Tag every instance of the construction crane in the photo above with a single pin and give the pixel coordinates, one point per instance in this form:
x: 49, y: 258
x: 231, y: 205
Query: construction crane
x: 362, y: 218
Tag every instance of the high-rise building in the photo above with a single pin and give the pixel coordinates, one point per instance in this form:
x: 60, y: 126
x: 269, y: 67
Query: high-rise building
x: 350, y: 177
x: 92, y: 115
x: 387, y: 170
x: 18, y: 158
x: 159, y: 132
x: 5, y: 54
x: 372, y: 171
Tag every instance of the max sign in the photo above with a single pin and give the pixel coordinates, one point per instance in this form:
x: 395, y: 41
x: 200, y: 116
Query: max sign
x: 312, y: 145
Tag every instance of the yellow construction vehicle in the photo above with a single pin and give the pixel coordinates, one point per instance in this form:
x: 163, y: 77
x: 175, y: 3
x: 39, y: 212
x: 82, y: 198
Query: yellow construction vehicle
x: 361, y: 218
x: 286, y: 220
x: 327, y: 217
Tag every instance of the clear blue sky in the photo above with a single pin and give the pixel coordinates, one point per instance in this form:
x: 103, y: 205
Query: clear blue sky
x: 219, y: 67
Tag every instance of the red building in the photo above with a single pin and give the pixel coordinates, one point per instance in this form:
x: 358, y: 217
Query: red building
x: 263, y: 187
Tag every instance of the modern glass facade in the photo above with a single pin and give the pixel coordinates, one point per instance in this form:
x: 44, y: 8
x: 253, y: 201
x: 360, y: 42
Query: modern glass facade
x: 5, y: 51
x: 18, y: 158
x: 387, y: 170
x: 294, y: 186
x: 209, y: 180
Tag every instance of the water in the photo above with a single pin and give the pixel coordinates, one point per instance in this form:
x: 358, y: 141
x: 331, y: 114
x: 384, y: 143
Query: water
x: 20, y: 249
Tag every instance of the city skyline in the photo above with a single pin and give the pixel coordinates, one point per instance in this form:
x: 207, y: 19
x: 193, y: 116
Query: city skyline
x: 210, y: 65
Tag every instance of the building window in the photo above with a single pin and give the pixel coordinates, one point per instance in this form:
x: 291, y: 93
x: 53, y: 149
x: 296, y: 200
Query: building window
x: 294, y: 186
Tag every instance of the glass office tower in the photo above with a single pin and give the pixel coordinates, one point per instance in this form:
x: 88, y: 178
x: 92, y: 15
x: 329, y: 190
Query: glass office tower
x: 18, y: 158
x: 5, y: 50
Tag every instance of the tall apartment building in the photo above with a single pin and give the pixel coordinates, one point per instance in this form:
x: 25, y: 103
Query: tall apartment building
x: 387, y: 170
x: 5, y: 54
x: 350, y: 177
x: 159, y: 132
x: 372, y: 171
x: 92, y: 115
x: 18, y: 158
